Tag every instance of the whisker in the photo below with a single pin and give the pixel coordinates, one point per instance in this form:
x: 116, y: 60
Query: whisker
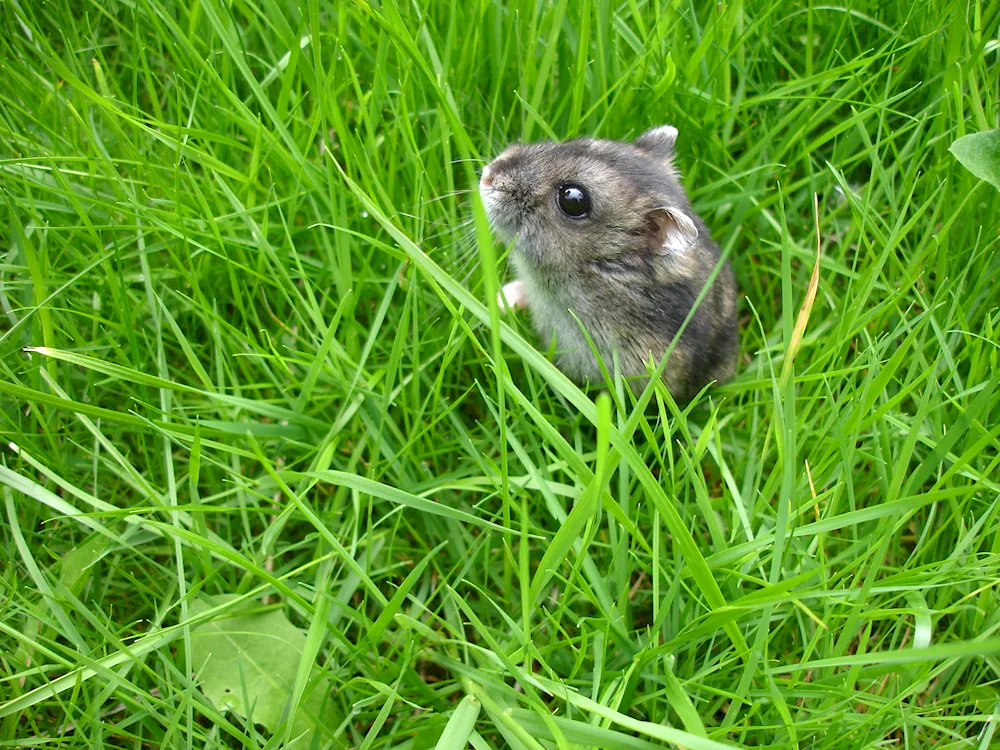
x: 447, y: 195
x: 417, y: 218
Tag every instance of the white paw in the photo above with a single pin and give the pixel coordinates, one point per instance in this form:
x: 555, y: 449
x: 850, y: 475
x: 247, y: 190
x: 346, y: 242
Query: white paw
x: 512, y: 296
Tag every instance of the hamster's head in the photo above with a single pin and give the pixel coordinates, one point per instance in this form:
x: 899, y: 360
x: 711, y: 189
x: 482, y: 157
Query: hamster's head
x: 589, y: 204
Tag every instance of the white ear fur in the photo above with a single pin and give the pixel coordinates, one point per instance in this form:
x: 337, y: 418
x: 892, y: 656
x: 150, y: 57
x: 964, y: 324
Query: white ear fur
x: 674, y: 230
x: 658, y: 141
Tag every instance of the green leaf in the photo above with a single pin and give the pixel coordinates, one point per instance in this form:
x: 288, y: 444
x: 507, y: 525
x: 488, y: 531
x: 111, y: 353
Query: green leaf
x: 583, y: 511
x: 459, y: 727
x: 247, y: 663
x: 395, y: 495
x: 980, y: 154
x: 79, y: 561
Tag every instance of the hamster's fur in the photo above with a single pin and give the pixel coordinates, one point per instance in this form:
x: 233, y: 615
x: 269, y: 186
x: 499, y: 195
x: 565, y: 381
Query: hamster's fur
x: 629, y: 268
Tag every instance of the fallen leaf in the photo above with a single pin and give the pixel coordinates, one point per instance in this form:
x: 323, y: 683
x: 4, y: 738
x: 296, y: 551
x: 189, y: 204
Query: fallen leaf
x: 246, y: 663
x: 980, y: 154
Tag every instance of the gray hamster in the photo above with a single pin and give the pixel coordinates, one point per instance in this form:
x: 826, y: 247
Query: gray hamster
x: 604, y: 231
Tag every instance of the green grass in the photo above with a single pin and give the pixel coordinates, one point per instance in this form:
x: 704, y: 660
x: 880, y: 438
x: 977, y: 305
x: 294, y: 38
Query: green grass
x: 250, y: 366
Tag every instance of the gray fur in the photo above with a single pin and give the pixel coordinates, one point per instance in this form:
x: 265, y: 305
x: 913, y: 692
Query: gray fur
x: 630, y: 270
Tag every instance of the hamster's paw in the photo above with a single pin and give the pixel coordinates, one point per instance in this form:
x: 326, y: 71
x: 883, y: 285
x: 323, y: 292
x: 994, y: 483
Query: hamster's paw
x: 512, y: 296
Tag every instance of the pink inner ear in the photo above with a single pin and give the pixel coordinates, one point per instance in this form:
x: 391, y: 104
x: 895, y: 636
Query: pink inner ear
x: 670, y: 230
x: 658, y: 221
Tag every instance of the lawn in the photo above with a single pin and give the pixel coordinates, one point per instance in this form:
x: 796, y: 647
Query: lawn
x: 277, y: 473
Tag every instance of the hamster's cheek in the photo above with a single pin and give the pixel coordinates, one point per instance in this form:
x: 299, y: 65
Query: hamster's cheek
x: 566, y: 249
x: 504, y: 218
x: 525, y: 244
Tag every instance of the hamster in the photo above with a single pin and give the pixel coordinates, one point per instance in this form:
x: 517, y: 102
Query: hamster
x: 603, y: 231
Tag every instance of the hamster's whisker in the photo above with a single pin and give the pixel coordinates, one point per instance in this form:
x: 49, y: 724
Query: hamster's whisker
x: 436, y: 236
x: 466, y: 251
x: 445, y: 196
x: 449, y: 229
x: 423, y: 219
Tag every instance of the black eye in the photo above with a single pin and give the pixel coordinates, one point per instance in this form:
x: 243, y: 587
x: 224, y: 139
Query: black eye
x: 573, y: 200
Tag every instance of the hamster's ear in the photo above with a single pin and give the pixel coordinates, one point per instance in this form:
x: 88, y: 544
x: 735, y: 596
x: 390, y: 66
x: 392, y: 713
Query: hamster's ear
x: 659, y: 141
x: 671, y: 230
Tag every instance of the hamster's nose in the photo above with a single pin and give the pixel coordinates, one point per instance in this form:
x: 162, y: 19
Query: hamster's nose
x: 487, y: 179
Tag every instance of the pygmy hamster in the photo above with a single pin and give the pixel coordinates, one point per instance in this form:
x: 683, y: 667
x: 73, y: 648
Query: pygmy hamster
x: 603, y: 231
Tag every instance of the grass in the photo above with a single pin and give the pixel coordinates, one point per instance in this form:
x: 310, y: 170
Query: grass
x: 254, y: 388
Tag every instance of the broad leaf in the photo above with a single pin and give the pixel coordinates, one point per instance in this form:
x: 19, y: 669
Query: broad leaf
x: 980, y: 154
x: 247, y: 664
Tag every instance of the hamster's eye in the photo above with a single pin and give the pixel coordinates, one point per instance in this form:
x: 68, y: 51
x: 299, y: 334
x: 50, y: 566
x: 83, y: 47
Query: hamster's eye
x: 573, y: 200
